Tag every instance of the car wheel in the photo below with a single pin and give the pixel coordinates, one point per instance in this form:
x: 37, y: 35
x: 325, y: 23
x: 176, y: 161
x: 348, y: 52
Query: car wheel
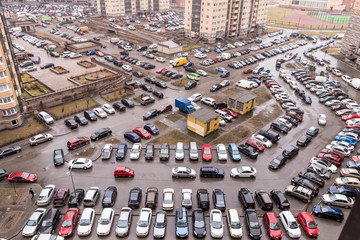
x: 96, y: 138
x: 36, y: 143
x: 18, y: 151
x: 339, y: 220
x: 109, y: 134
x: 84, y: 167
x: 252, y: 176
x: 347, y: 206
x: 74, y: 147
x: 86, y: 143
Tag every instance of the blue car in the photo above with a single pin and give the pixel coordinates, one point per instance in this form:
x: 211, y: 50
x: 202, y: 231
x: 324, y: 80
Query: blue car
x: 353, y: 164
x: 151, y: 129
x: 349, y: 140
x: 132, y: 137
x: 328, y: 212
x: 221, y: 69
x: 121, y: 151
x: 344, y: 190
x: 217, y: 50
x: 234, y: 152
x: 90, y: 52
x: 181, y: 223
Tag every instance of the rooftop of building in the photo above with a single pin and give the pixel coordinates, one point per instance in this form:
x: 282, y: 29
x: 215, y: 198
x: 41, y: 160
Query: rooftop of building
x: 204, y: 115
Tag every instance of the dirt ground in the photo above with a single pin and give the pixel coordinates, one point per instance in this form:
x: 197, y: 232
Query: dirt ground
x: 174, y: 117
x: 9, y: 220
x: 172, y: 137
x: 160, y: 125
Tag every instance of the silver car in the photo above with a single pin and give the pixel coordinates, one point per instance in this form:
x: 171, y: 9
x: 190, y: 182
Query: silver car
x: 124, y: 222
x: 45, y: 117
x: 40, y: 138
x: 160, y: 224
x: 106, y: 152
x: 183, y: 172
x: 179, y: 151
x: 221, y: 152
x: 46, y: 195
x: 339, y: 200
x: 34, y: 222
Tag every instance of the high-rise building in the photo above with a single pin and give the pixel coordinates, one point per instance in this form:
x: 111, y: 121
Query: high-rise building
x: 10, y: 89
x: 124, y: 7
x: 212, y: 19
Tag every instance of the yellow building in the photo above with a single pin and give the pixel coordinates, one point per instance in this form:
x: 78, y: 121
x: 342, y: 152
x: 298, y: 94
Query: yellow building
x: 203, y: 122
x: 241, y: 102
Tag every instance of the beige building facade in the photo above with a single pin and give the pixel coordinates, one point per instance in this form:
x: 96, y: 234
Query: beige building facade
x: 125, y: 7
x: 321, y: 5
x: 213, y: 19
x: 10, y: 90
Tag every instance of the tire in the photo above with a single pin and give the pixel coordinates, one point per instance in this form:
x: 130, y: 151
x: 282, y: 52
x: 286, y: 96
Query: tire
x: 86, y: 143
x: 96, y: 139
x: 74, y: 147
x: 36, y: 143
x: 236, y: 176
x: 84, y: 167
x: 347, y: 207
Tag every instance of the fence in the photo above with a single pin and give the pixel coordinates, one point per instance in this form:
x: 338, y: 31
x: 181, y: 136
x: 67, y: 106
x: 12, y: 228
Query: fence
x: 300, y: 25
x: 339, y: 18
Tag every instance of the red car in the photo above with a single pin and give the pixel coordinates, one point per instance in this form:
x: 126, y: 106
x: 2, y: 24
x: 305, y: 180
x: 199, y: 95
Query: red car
x: 142, y: 132
x: 270, y: 84
x: 350, y: 116
x: 331, y: 158
x: 77, y: 142
x: 160, y: 70
x: 338, y: 107
x: 68, y: 225
x: 255, y: 144
x: 122, y: 171
x: 355, y: 158
x: 148, y: 20
x: 357, y: 126
x: 272, y: 225
x: 215, y: 60
x: 333, y: 152
x: 164, y: 108
x: 22, y: 177
x: 247, y: 70
x: 308, y: 223
x: 230, y: 112
x: 167, y: 29
x: 100, y: 54
x: 206, y: 152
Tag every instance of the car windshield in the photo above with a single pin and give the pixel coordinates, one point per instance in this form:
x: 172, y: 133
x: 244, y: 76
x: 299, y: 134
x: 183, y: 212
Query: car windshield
x: 207, y: 151
x: 144, y: 131
x: 25, y: 175
x: 159, y: 224
x: 276, y: 161
x: 84, y: 222
x: 222, y: 151
x: 311, y: 225
x: 235, y: 152
x: 107, y: 199
x: 120, y: 150
x: 179, y: 150
x: 235, y: 225
x: 31, y: 223
x: 122, y: 224
x: 345, y: 180
x: 274, y: 226
x: 199, y: 224
x: 181, y: 224
x: 66, y: 223
x: 293, y: 225
x: 134, y: 150
x: 149, y: 150
x: 216, y: 224
x: 143, y: 223
x: 164, y: 151
x: 104, y: 221
x: 134, y: 196
x: 46, y: 224
x: 58, y: 157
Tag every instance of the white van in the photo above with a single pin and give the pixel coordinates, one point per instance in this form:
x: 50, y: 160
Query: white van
x: 15, y: 29
x: 355, y: 83
x: 193, y: 151
x: 246, y: 84
x: 234, y: 224
x: 114, y: 40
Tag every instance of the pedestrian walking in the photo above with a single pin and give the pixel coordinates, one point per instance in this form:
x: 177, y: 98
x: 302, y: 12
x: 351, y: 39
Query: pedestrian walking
x: 31, y: 191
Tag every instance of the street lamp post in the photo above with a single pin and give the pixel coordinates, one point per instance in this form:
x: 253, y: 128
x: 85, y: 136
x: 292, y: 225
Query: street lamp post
x: 71, y: 176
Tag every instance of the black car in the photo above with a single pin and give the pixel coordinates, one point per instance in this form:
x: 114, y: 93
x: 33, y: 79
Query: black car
x: 306, y: 99
x: 293, y: 121
x: 211, y: 172
x: 277, y: 162
x: 50, y: 221
x: 109, y: 197
x: 124, y: 53
x: 160, y: 84
x: 304, y: 140
x: 188, y: 64
x: 248, y: 151
x: 298, y: 181
x: 151, y: 129
x: 101, y: 133
x: 3, y: 174
x: 272, y: 136
x: 76, y: 197
x: 219, y: 199
x: 54, y: 54
x: 134, y: 197
x: 89, y: 115
x: 280, y: 199
x: 290, y: 151
x: 203, y: 201
x: 121, y: 151
x: 119, y: 106
x: 191, y: 84
x: 149, y: 152
x: 80, y: 119
x: 96, y: 38
x: 151, y: 114
x: 164, y: 152
x: 225, y: 74
x: 252, y: 224
x: 312, y: 131
x: 264, y: 200
x: 146, y: 88
x: 158, y: 94
x: 58, y: 157
x: 71, y: 123
x: 315, y: 178
x: 190, y: 69
x: 7, y: 151
x: 279, y: 127
x: 299, y: 92
x: 215, y: 87
x: 198, y: 222
x: 127, y: 102
x: 47, y: 65
x: 176, y: 76
x: 150, y: 80
x: 246, y: 198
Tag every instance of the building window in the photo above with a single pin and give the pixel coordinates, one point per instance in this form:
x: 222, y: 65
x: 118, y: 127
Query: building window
x: 1, y: 61
x: 9, y: 112
x: 3, y: 74
x: 5, y: 87
x: 14, y: 122
x: 6, y: 100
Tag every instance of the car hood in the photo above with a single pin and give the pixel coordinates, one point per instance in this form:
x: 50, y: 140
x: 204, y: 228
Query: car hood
x: 159, y: 232
x: 83, y: 229
x: 142, y: 230
x: 217, y: 232
x: 121, y: 231
x: 326, y: 197
x: 182, y: 231
x: 103, y: 229
x: 29, y: 230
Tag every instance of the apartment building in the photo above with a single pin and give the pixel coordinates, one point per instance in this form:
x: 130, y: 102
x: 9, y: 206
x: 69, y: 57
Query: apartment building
x: 212, y: 19
x: 124, y: 7
x: 10, y: 90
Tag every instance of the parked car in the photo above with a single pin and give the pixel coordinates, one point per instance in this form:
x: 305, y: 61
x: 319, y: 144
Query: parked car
x: 252, y: 224
x: 328, y: 212
x: 246, y: 198
x: 290, y: 225
x: 216, y: 224
x: 33, y: 223
x: 124, y: 222
x: 143, y: 224
x: 69, y: 222
x: 76, y: 197
x: 280, y: 199
x: 101, y: 133
x: 50, y: 221
x: 46, y: 195
x: 40, y: 138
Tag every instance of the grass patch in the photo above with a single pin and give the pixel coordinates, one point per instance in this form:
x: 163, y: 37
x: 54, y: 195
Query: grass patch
x: 26, y: 95
x: 262, y: 95
x: 59, y: 70
x: 230, y: 91
x: 10, y: 220
x: 163, y: 78
x: 272, y: 30
x: 114, y: 96
x: 86, y: 152
x: 160, y: 125
x: 218, y: 98
x: 12, y: 197
x: 331, y: 50
x: 138, y: 98
x: 208, y: 70
x: 25, y: 77
x: 93, y: 76
x: 35, y: 88
x: 86, y: 64
x: 174, y: 117
x: 29, y: 129
x: 71, y: 108
x: 180, y: 83
x: 289, y: 65
x: 172, y: 137
x: 113, y: 141
x: 191, y: 47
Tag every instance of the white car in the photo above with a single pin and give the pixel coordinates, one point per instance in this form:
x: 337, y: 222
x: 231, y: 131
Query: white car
x: 332, y: 102
x: 344, y: 144
x: 353, y: 121
x: 285, y: 122
x: 216, y: 224
x: 82, y: 163
x: 183, y: 172
x: 153, y: 46
x: 46, y: 195
x: 281, y: 96
x: 234, y: 224
x: 135, y: 151
x: 340, y: 149
x: 33, y: 223
x: 195, y: 106
x: 160, y: 59
x: 221, y: 152
x: 195, y: 97
x: 288, y: 104
x: 45, y: 117
x: 86, y: 222
x: 100, y: 113
x: 263, y: 140
x: 127, y: 68
x: 29, y: 69
x: 107, y: 150
x: 208, y: 101
x: 244, y: 171
x: 40, y: 138
x: 201, y: 72
x: 124, y: 222
x: 322, y: 119
x: 349, y: 134
x: 343, y: 112
x: 179, y: 151
x: 350, y: 172
x: 352, y: 105
x: 227, y: 117
x: 290, y: 224
x: 186, y: 198
x: 337, y: 200
x: 347, y: 181
x: 336, y: 72
x: 323, y: 164
x: 143, y: 224
x: 282, y: 73
x: 168, y: 199
x: 105, y: 222
x: 222, y: 122
x: 108, y: 108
